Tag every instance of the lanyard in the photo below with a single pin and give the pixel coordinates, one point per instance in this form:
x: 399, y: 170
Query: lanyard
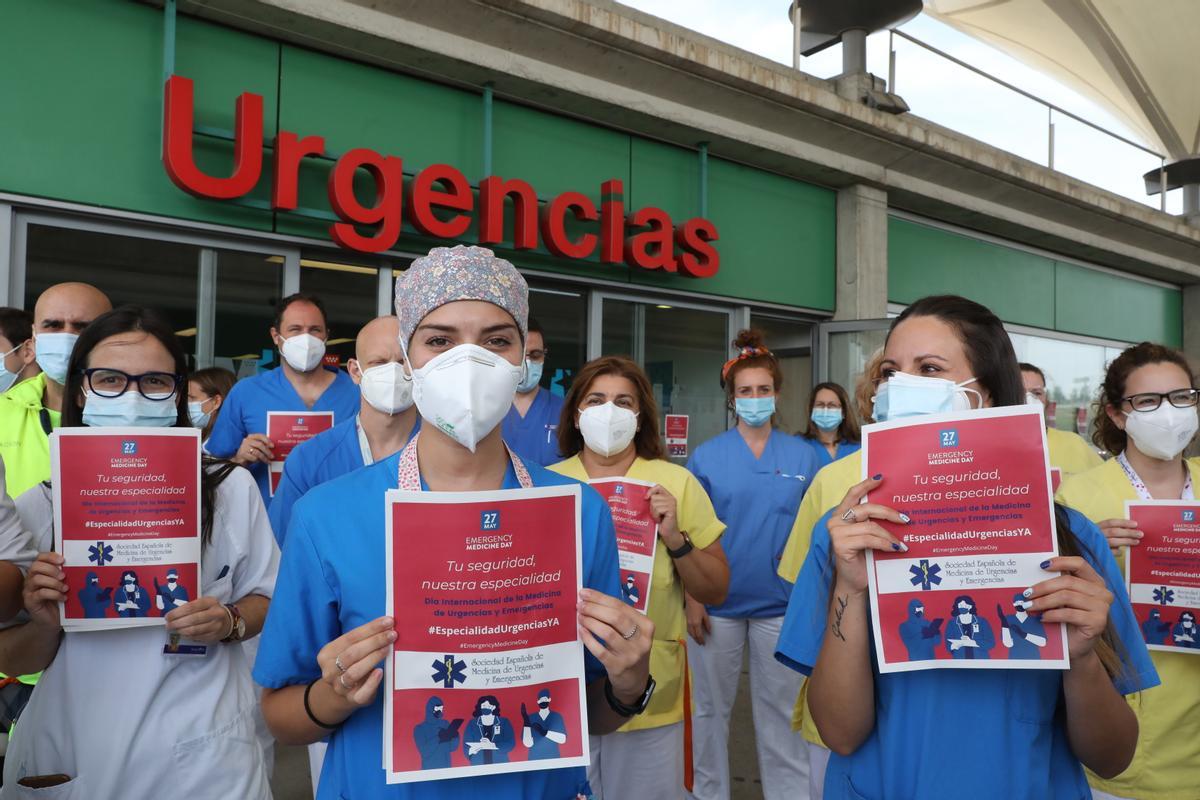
x: 1139, y: 485
x: 363, y: 445
x: 409, y: 478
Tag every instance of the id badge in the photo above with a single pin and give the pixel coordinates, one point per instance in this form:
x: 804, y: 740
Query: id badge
x: 177, y: 646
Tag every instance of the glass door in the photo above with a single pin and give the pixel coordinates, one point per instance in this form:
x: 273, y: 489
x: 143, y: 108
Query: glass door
x: 681, y: 347
x: 844, y: 348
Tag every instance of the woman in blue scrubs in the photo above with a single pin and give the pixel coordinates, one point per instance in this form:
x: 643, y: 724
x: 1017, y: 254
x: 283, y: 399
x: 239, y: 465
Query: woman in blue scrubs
x: 1009, y: 734
x: 832, y: 430
x: 756, y: 476
x: 462, y: 321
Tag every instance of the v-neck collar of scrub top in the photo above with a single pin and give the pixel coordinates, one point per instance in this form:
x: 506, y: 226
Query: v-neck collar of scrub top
x: 766, y: 463
x: 286, y: 385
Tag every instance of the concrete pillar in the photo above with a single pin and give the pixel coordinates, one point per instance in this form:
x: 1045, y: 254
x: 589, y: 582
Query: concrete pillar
x: 1191, y: 323
x: 861, y: 253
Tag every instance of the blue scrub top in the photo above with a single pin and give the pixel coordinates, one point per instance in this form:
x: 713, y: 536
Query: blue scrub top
x: 953, y: 733
x: 534, y: 437
x: 843, y: 449
x: 757, y: 499
x: 245, y: 412
x: 332, y: 579
x: 322, y: 458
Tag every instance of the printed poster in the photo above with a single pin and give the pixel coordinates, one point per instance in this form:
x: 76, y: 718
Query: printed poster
x: 127, y: 521
x: 1055, y: 479
x: 1162, y: 573
x: 676, y: 433
x: 637, y: 535
x: 287, y: 429
x: 486, y: 674
x: 977, y: 488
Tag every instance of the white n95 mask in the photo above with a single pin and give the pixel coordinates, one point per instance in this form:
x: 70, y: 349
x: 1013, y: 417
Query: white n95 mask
x: 465, y: 392
x: 302, y: 352
x: 386, y: 388
x: 607, y: 429
x: 904, y: 395
x: 1164, y: 432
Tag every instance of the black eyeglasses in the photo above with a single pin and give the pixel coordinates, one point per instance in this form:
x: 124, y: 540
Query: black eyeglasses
x: 114, y: 383
x: 1150, y: 401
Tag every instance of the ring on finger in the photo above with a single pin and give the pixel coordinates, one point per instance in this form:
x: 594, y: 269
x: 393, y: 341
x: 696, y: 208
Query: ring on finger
x: 849, y: 516
x: 337, y: 662
x: 632, y: 633
x: 346, y: 686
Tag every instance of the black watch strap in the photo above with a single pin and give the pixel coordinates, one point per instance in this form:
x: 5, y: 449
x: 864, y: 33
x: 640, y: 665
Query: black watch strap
x: 684, y: 548
x: 621, y: 708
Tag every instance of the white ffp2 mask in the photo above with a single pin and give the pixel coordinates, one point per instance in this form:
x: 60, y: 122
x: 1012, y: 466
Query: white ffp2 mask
x: 465, y: 392
x: 1164, y: 432
x: 386, y: 388
x: 302, y: 352
x: 607, y: 429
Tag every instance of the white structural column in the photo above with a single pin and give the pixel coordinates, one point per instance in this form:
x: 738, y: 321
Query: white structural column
x: 862, y: 223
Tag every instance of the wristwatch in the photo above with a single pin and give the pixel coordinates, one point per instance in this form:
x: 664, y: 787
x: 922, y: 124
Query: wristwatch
x: 624, y: 710
x: 684, y: 548
x: 237, y: 624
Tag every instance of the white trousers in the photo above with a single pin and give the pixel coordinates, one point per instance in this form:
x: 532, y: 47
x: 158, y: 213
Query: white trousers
x: 647, y: 763
x: 1099, y: 795
x: 818, y: 761
x: 716, y: 672
x: 316, y: 758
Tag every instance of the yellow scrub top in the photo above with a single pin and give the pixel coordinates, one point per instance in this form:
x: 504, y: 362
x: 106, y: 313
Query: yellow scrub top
x: 1166, y: 764
x: 828, y: 489
x: 1070, y: 452
x: 666, y: 609
x: 24, y: 445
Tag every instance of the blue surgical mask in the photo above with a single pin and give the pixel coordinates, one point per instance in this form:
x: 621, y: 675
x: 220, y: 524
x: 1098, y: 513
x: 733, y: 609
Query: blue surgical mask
x: 533, y: 376
x: 129, y: 410
x: 197, y: 415
x: 52, y: 351
x: 826, y: 419
x: 7, y: 378
x: 903, y: 395
x: 755, y: 411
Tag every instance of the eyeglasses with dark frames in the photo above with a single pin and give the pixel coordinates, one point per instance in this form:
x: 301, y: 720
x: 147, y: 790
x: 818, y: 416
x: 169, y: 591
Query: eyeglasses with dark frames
x: 1150, y: 401
x: 106, y: 382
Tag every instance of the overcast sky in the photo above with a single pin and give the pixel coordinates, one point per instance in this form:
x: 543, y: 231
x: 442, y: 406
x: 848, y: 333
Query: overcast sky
x: 940, y: 91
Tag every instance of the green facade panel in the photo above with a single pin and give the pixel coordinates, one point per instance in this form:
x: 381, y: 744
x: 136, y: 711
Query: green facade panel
x: 1096, y: 303
x: 93, y: 72
x: 1027, y: 288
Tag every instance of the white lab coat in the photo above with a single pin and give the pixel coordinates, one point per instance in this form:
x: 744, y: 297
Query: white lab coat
x: 122, y: 719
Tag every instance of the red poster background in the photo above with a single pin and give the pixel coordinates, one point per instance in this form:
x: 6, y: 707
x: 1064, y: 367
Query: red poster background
x: 676, y: 426
x: 542, y: 527
x: 286, y: 430
x: 893, y: 609
x: 635, y: 527
x: 111, y: 577
x: 459, y: 703
x: 85, y: 460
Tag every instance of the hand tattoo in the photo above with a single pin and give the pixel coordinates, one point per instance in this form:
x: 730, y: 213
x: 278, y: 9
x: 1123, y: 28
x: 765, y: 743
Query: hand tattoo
x: 838, y: 612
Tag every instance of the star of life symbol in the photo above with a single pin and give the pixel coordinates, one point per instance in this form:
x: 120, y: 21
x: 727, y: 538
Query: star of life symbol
x: 449, y: 671
x: 1164, y: 596
x: 925, y: 574
x: 100, y: 553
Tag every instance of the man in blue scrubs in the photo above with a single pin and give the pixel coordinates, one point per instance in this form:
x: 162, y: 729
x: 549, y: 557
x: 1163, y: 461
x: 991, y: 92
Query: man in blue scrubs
x: 531, y: 427
x: 386, y: 420
x: 300, y: 383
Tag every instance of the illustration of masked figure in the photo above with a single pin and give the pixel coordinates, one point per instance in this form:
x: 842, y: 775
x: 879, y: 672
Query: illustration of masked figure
x: 130, y: 599
x: 436, y: 737
x: 95, y: 600
x: 629, y: 591
x: 967, y: 634
x: 1023, y: 634
x: 172, y: 595
x: 1155, y: 628
x: 1185, y: 633
x: 920, y: 636
x: 489, y: 737
x: 544, y: 731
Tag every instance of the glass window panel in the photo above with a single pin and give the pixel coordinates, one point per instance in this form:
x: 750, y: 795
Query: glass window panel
x: 350, y: 294
x: 249, y: 287
x: 849, y: 352
x: 130, y: 270
x: 791, y: 342
x: 1074, y: 372
x: 562, y: 314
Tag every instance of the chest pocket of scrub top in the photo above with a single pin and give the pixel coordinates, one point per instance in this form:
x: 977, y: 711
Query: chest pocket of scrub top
x: 225, y: 762
x: 221, y: 589
x: 786, y: 491
x: 1032, y: 695
x: 71, y: 790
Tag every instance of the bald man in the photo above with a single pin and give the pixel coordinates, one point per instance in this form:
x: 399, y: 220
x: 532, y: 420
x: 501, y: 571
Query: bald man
x: 31, y: 409
x: 386, y: 420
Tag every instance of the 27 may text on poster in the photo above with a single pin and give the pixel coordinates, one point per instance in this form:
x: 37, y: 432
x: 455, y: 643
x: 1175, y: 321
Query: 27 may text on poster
x: 486, y: 673
x: 977, y: 490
